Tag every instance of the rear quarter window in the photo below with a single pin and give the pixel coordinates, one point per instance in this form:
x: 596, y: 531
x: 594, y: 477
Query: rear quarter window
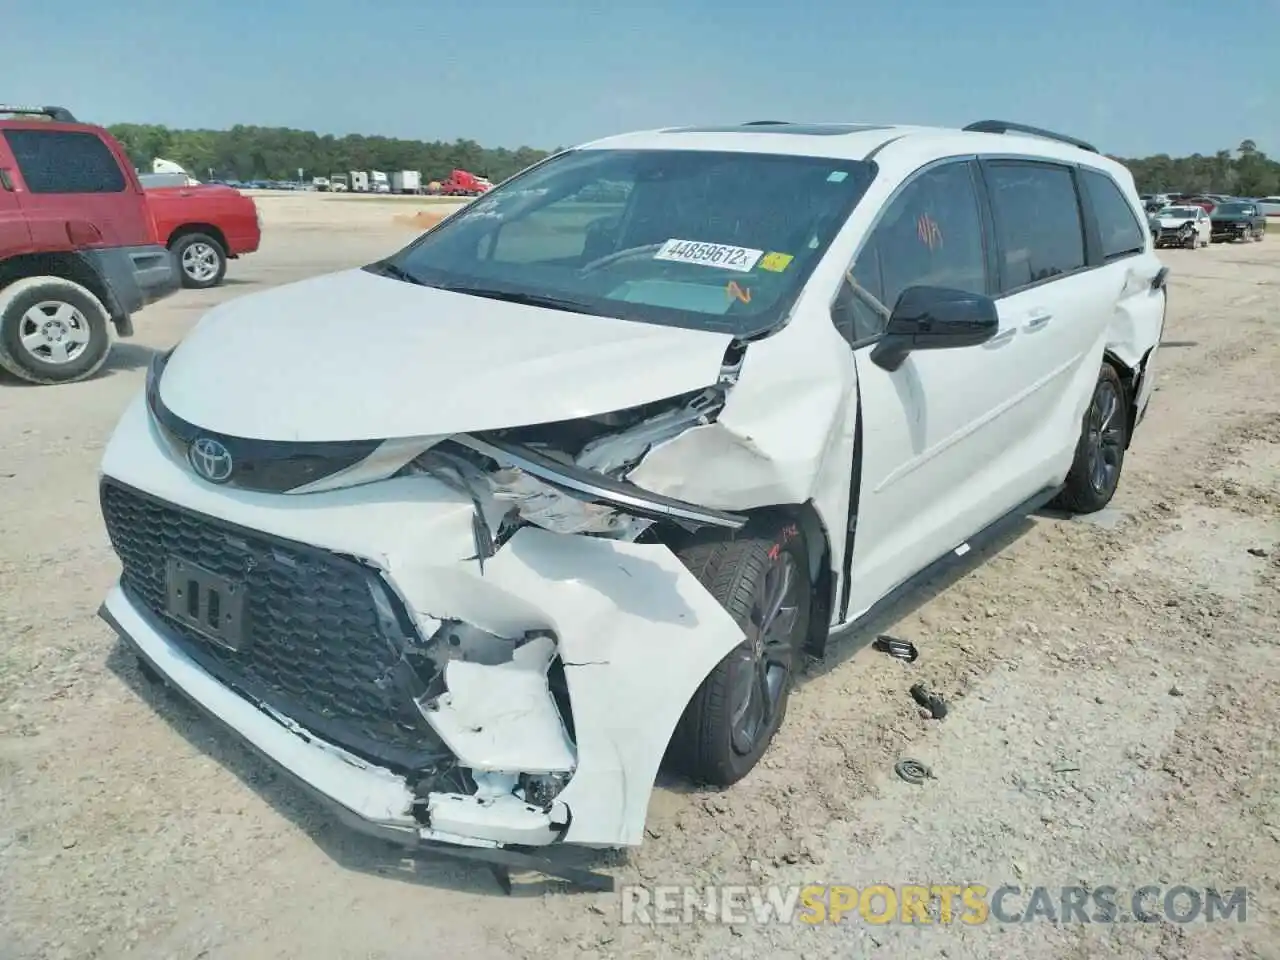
x: 1118, y: 225
x: 1038, y: 223
x: 65, y: 161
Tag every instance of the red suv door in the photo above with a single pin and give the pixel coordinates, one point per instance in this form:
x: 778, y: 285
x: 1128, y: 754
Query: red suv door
x: 73, y: 180
x: 15, y: 238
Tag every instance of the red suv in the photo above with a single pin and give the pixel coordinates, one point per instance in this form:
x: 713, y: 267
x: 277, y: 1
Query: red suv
x: 78, y: 246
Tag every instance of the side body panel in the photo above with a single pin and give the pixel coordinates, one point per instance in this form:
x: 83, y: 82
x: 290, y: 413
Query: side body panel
x: 15, y: 235
x: 234, y: 215
x: 112, y: 217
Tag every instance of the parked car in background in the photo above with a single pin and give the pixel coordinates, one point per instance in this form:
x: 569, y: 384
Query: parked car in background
x: 1237, y: 220
x: 1151, y: 202
x: 1181, y: 226
x: 1203, y: 201
x: 78, y: 249
x: 151, y: 180
x: 628, y: 463
x: 1270, y: 206
x: 205, y: 225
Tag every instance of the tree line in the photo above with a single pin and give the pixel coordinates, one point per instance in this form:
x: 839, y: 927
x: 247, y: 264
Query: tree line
x: 1244, y: 172
x: 278, y: 153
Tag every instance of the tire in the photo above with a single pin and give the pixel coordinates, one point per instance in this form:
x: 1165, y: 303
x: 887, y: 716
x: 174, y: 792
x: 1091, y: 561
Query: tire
x: 1190, y: 240
x: 709, y: 746
x: 52, y: 331
x: 1099, y: 460
x: 202, y: 260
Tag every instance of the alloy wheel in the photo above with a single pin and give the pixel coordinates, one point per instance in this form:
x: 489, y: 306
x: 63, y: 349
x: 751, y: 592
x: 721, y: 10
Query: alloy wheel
x: 1105, y: 437
x: 762, y: 668
x: 200, y: 262
x: 53, y: 331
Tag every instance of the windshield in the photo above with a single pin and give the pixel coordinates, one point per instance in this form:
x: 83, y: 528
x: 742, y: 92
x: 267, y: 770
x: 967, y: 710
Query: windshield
x: 711, y: 240
x: 1232, y: 208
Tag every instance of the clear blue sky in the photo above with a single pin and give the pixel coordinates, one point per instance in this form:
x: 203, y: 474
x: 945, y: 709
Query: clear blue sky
x: 1134, y: 76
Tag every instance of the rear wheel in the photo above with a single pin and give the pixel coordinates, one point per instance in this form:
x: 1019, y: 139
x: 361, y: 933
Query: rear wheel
x: 202, y: 259
x: 52, y: 331
x: 1095, y: 472
x: 762, y: 580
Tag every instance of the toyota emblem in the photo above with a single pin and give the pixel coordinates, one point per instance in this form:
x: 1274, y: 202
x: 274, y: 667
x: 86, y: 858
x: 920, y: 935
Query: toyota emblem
x: 210, y: 460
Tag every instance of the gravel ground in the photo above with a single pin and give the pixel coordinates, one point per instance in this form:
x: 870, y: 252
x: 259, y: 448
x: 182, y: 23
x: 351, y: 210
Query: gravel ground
x: 1112, y: 688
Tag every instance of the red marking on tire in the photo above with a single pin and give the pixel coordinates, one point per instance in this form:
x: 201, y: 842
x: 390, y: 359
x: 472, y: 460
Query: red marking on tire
x: 775, y: 551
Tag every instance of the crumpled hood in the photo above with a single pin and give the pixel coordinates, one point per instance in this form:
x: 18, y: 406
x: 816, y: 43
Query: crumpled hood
x: 1166, y: 223
x: 355, y: 356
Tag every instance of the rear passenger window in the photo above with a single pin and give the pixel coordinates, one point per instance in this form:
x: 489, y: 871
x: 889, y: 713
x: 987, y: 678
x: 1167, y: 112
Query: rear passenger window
x: 930, y: 235
x: 64, y: 161
x: 1119, y: 228
x: 1037, y: 222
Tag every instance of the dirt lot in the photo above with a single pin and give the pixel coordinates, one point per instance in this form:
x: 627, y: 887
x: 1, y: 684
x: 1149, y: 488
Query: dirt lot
x: 1113, y: 688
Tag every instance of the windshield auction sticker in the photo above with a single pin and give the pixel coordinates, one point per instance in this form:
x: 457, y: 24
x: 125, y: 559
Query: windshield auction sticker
x: 741, y: 259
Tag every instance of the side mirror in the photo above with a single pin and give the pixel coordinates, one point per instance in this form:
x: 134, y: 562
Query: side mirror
x: 935, y: 318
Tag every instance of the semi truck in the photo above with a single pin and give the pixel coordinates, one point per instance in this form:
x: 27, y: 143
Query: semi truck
x: 378, y: 182
x: 406, y: 181
x: 464, y: 184
x: 338, y: 183
x: 359, y: 181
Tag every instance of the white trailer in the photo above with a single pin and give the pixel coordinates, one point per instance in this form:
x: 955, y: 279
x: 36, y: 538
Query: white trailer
x: 359, y: 181
x: 406, y: 181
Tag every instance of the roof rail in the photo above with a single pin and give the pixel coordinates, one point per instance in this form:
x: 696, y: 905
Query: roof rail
x: 60, y: 114
x: 1004, y: 126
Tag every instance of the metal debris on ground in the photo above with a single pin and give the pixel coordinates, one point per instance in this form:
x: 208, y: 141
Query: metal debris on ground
x: 902, y: 649
x: 936, y: 706
x: 912, y: 771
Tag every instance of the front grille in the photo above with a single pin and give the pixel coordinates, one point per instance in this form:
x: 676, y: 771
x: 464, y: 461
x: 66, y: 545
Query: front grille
x: 323, y: 639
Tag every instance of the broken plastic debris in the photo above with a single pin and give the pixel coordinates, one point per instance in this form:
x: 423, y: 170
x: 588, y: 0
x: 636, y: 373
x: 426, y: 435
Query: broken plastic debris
x: 936, y: 706
x: 902, y: 649
x: 912, y: 771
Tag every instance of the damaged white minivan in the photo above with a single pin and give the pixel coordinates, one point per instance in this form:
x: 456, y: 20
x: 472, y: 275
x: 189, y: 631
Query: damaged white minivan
x: 468, y: 540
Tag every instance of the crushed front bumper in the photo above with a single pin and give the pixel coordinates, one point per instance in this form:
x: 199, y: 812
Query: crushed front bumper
x: 363, y: 798
x: 633, y: 629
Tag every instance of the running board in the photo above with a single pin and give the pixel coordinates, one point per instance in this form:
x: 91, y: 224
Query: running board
x: 947, y: 562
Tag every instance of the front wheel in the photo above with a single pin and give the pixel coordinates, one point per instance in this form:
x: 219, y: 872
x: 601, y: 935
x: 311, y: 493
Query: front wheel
x: 52, y: 331
x: 762, y: 580
x: 202, y: 259
x: 1099, y: 459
